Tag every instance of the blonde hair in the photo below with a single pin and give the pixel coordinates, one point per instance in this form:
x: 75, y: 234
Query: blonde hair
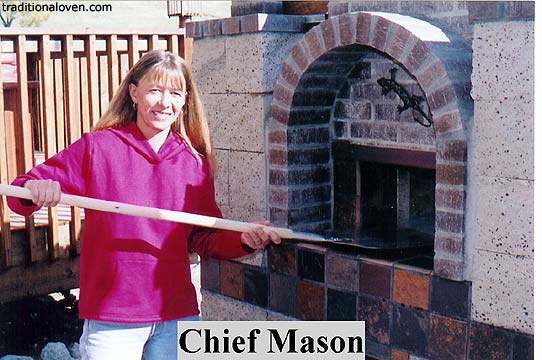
x: 171, y: 70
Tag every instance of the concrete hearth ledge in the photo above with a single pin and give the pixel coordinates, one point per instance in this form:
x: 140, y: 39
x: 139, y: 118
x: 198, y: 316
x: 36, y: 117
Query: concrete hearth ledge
x: 216, y: 307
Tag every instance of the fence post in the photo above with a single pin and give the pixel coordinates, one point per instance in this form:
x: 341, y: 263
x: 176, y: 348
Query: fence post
x: 5, y: 228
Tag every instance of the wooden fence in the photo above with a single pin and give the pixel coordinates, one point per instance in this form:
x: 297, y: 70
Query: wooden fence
x: 55, y: 86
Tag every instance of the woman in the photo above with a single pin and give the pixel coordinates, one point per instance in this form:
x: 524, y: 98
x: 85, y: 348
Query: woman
x: 150, y: 148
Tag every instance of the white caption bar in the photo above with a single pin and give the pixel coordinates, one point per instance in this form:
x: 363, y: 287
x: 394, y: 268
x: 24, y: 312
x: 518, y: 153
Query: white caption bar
x: 204, y: 340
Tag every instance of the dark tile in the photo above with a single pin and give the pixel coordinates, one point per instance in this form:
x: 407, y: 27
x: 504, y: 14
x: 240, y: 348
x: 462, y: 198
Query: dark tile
x: 231, y: 279
x: 523, y: 347
x: 341, y: 305
x: 488, y: 342
x: 310, y: 265
x: 282, y: 259
x: 310, y: 301
x: 450, y: 298
x: 375, y: 280
x: 256, y: 287
x: 210, y: 275
x: 282, y: 293
x: 447, y: 338
x: 376, y: 350
x: 342, y: 272
x: 376, y: 314
x: 411, y: 288
x: 410, y: 329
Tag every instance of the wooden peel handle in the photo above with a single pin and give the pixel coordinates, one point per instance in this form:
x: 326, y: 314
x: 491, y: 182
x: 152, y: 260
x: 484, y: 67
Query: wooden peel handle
x: 149, y: 212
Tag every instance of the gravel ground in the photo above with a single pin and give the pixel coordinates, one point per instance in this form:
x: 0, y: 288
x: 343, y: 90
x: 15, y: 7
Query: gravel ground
x: 27, y: 325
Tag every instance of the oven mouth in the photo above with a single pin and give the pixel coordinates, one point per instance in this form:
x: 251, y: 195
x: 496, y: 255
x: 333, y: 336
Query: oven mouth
x: 384, y: 198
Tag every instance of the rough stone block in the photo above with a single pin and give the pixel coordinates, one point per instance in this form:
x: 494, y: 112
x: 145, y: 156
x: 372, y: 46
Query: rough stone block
x: 248, y: 214
x: 222, y: 190
x: 247, y: 181
x: 236, y: 121
x: 503, y: 60
x: 502, y: 291
x: 215, y: 307
x: 504, y: 216
x: 254, y: 61
x: 504, y: 138
x: 209, y: 64
x: 276, y: 48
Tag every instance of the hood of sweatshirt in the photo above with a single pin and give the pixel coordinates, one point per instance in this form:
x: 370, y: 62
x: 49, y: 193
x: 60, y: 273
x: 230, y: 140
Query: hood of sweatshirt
x: 132, y: 135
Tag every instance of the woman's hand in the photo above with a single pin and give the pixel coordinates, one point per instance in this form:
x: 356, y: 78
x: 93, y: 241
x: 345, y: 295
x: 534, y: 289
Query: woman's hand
x: 44, y: 192
x: 258, y: 239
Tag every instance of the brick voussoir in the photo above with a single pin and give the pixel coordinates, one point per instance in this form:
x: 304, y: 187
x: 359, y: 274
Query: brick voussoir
x: 448, y: 123
x: 363, y: 28
x: 442, y: 96
x: 299, y: 55
x: 347, y: 29
x: 329, y: 33
x: 380, y: 34
x: 427, y: 76
x: 452, y: 150
x: 290, y: 73
x: 314, y: 43
x: 417, y: 56
x: 279, y: 112
x: 398, y: 42
x: 283, y: 94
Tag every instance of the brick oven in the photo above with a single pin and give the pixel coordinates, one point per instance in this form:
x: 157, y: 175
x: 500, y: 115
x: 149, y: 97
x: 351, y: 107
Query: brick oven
x: 305, y: 130
x: 338, y: 84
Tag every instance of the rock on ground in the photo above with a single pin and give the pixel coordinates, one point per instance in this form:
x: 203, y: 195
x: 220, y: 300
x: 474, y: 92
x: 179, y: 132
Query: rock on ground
x: 55, y: 351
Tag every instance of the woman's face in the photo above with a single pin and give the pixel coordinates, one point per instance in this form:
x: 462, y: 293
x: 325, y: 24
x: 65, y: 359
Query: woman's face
x: 158, y: 106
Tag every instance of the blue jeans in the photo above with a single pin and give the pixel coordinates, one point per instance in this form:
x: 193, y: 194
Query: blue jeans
x: 104, y: 340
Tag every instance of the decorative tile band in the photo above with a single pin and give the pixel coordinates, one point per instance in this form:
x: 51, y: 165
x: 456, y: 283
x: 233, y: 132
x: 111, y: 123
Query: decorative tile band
x: 408, y: 309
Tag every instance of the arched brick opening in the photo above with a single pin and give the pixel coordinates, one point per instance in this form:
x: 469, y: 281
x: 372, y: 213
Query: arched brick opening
x: 299, y: 131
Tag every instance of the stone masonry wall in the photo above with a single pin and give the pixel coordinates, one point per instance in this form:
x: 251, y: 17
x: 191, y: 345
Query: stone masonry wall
x: 495, y: 318
x: 236, y: 76
x: 502, y: 175
x: 455, y: 16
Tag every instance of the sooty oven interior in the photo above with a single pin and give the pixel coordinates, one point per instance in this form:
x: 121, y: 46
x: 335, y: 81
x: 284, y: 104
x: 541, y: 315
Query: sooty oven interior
x: 384, y: 198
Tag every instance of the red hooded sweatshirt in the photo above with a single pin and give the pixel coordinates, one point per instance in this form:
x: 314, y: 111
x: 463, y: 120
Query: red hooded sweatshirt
x: 136, y: 269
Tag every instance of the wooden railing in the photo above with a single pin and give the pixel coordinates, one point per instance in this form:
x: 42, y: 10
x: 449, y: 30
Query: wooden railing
x: 59, y: 86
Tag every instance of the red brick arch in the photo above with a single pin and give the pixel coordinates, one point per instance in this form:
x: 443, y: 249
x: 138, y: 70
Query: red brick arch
x: 429, y: 62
